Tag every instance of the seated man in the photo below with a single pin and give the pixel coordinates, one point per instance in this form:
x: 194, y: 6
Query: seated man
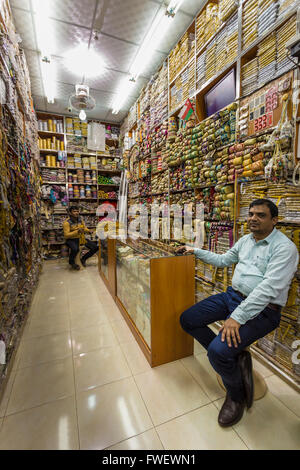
x: 266, y: 261
x: 74, y: 230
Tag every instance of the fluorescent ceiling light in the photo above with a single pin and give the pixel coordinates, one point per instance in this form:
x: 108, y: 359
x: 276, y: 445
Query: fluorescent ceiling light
x: 155, y: 35
x: 44, y: 35
x: 83, y: 61
x: 174, y: 6
x: 153, y: 38
x: 126, y: 87
x: 49, y: 83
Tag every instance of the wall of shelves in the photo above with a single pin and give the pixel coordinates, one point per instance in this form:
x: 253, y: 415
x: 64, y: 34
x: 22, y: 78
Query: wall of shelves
x: 88, y: 168
x: 141, y: 151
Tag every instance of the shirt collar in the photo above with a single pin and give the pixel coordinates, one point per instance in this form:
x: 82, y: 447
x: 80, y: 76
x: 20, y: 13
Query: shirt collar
x: 268, y: 239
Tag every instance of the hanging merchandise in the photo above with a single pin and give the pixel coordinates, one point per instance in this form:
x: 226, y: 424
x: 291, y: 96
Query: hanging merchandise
x: 96, y: 137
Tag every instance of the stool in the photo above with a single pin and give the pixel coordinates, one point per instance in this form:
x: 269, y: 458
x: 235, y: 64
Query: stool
x: 260, y: 386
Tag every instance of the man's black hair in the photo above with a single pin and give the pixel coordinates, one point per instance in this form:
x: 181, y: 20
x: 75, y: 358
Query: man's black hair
x: 266, y: 202
x: 73, y: 208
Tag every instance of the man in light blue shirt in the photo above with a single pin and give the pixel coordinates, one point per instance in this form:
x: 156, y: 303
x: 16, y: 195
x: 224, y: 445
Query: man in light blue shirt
x: 266, y: 261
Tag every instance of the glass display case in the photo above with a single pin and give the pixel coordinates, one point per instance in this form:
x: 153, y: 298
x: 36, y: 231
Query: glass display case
x: 153, y: 288
x: 104, y: 258
x: 107, y: 264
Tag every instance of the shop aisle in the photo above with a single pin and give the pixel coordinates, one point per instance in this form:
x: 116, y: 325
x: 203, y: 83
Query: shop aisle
x: 79, y: 381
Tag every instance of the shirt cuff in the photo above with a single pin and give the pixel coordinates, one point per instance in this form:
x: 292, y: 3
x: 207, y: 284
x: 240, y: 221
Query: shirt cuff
x: 240, y: 316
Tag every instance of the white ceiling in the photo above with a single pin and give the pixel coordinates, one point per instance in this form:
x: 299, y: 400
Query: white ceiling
x: 122, y: 25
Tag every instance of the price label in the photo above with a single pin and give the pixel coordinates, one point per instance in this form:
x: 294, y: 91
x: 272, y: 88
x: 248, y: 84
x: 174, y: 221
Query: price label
x: 263, y: 122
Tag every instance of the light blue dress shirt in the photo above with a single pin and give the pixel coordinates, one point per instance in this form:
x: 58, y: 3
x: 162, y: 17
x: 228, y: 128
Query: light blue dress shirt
x: 263, y: 273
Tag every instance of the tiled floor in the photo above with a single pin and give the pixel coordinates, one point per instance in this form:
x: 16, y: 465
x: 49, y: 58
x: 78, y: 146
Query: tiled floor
x: 80, y: 381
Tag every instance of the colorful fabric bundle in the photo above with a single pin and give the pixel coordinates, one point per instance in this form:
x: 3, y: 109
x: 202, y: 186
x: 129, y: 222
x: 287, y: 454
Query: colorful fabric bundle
x: 250, y: 15
x: 267, y: 59
x: 287, y: 31
x: 249, y: 76
x: 267, y: 15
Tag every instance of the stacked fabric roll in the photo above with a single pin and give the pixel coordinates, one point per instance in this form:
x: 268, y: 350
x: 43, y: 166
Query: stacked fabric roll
x: 200, y: 28
x: 221, y: 50
x: 212, y: 20
x: 232, y: 39
x: 210, y: 66
x: 227, y: 8
x: 201, y: 70
x: 249, y: 76
x: 285, y: 6
x: 287, y: 31
x: 268, y: 10
x: 250, y: 14
x: 267, y: 59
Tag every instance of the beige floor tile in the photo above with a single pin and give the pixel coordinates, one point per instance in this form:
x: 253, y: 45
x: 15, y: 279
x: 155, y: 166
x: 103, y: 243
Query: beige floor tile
x: 110, y: 414
x: 199, y: 430
x: 45, y: 349
x: 52, y: 426
x: 202, y: 371
x: 286, y: 394
x: 6, y: 393
x: 93, y: 337
x: 83, y: 304
x: 261, y: 369
x: 34, y: 386
x: 170, y: 391
x: 135, y: 358
x: 268, y: 425
x: 122, y: 331
x: 198, y: 348
x: 50, y: 309
x: 83, y: 318
x: 148, y: 440
x: 100, y: 367
x: 48, y: 325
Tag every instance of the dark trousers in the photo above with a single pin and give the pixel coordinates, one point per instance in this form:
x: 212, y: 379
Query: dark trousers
x: 73, y: 244
x: 224, y: 359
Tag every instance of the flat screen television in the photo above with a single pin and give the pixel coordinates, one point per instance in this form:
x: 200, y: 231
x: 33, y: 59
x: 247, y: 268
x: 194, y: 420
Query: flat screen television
x: 222, y: 94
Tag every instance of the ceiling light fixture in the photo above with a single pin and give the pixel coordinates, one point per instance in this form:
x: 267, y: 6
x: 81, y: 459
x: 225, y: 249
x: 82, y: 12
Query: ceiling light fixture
x: 82, y: 115
x: 43, y: 29
x: 153, y: 38
x: 83, y: 61
x: 126, y: 87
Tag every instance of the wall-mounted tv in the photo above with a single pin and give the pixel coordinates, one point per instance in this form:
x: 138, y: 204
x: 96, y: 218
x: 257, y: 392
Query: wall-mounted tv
x: 222, y: 94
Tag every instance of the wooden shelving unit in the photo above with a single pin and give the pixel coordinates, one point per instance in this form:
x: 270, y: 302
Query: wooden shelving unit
x: 71, y: 170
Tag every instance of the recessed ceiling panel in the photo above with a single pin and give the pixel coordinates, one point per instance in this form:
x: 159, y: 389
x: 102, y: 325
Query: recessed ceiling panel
x: 60, y: 106
x: 116, y: 54
x: 63, y: 91
x: 24, y: 27
x: 103, y: 99
x: 24, y: 4
x: 80, y: 12
x: 106, y: 81
x: 153, y: 64
x: 33, y: 59
x: 37, y: 88
x: 63, y: 74
x: 177, y: 28
x: 128, y: 19
x: 117, y: 118
x: 192, y: 6
x: 39, y: 103
x: 67, y: 37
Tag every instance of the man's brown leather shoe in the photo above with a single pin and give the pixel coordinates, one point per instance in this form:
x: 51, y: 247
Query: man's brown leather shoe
x: 231, y: 412
x: 245, y: 363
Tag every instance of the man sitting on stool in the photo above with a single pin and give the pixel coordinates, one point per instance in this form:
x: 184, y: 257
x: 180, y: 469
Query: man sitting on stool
x: 74, y: 230
x: 266, y: 261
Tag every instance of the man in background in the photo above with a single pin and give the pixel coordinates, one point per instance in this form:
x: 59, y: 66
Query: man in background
x: 74, y: 230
